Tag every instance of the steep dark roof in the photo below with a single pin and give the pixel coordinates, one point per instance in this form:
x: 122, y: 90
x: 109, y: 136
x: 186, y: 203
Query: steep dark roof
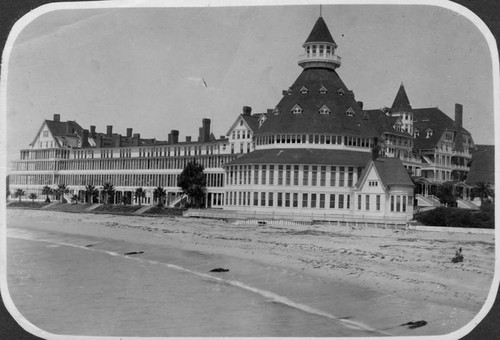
x: 310, y: 120
x: 320, y: 33
x: 252, y: 121
x: 383, y: 123
x: 438, y: 121
x: 482, y: 168
x: 392, y: 172
x: 61, y: 129
x: 401, y: 102
x: 304, y: 156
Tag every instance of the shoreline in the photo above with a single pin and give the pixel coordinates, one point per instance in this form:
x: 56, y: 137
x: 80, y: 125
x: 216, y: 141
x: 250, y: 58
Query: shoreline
x: 407, y: 274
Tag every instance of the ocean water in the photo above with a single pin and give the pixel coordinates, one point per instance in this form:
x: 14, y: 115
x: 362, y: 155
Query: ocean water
x: 80, y: 285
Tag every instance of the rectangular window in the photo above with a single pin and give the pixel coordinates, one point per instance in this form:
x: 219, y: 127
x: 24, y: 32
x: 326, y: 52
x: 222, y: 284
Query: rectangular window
x: 341, y: 176
x: 332, y: 201
x: 333, y: 174
x: 239, y: 198
x: 295, y: 175
x: 256, y: 175
x: 359, y: 202
x: 404, y: 204
x: 263, y: 199
x: 367, y: 202
x: 270, y: 199
x: 280, y: 174
x: 287, y: 199
x: 322, y: 178
x: 295, y: 200
x: 341, y: 201
x: 398, y: 203
x: 263, y: 179
x: 305, y: 180
x: 392, y: 203
x: 313, y: 200
x: 321, y: 200
x: 348, y: 205
x: 271, y: 174
x: 255, y: 199
x: 314, y: 176
x: 378, y: 203
x: 304, y: 200
x: 350, y: 176
x: 280, y: 199
x: 288, y: 174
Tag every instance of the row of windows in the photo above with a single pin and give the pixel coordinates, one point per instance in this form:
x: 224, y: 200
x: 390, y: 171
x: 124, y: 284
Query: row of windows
x: 134, y: 180
x: 45, y: 154
x: 399, y: 203
x: 306, y: 175
x: 367, y: 200
x: 241, y: 134
x: 288, y: 199
x: 314, y: 139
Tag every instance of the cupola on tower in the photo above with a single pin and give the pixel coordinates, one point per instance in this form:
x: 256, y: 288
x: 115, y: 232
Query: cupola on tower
x: 319, y: 48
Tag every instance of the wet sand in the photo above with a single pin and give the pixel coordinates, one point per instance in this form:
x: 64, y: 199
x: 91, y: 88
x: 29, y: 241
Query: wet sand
x: 377, y: 277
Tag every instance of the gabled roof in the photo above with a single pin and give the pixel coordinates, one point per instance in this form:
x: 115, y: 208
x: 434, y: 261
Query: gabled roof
x: 311, y: 121
x: 304, y: 156
x: 482, y: 168
x: 320, y: 33
x: 438, y: 121
x: 392, y: 172
x: 401, y: 102
x: 252, y: 121
x: 60, y: 129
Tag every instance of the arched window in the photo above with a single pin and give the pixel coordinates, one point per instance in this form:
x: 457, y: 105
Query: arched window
x: 429, y: 133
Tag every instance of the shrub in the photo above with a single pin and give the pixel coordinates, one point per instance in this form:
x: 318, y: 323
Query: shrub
x: 459, y: 218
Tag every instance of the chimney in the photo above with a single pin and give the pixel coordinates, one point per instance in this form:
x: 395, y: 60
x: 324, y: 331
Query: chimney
x: 188, y: 139
x: 129, y: 132
x: 85, y: 138
x: 175, y: 136
x: 360, y: 104
x: 92, y: 131
x: 206, y: 129
x: 137, y: 139
x: 247, y: 110
x: 459, y: 115
x: 57, y: 117
x: 109, y: 130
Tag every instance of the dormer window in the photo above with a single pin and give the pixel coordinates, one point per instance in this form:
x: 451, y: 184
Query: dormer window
x: 324, y: 110
x: 323, y: 90
x: 349, y: 112
x: 429, y: 133
x: 304, y: 90
x: 416, y: 133
x: 297, y: 109
x: 340, y: 92
x: 262, y: 119
x: 276, y: 111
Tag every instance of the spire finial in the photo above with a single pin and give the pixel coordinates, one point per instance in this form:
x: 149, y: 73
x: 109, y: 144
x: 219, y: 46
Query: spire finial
x: 320, y: 10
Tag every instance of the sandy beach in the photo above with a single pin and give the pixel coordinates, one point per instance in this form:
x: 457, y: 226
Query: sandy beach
x: 382, y: 277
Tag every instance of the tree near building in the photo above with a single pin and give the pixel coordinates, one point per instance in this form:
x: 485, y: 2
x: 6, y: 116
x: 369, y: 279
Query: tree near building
x: 46, y: 190
x: 192, y: 182
x: 159, y: 194
x: 139, y: 195
x: 109, y: 192
x: 446, y: 194
x: 32, y: 197
x: 482, y: 190
x: 61, y: 190
x: 90, y: 193
x: 19, y: 193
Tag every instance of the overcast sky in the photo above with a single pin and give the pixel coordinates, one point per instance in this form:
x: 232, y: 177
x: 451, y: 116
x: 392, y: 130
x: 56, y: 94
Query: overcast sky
x: 143, y: 68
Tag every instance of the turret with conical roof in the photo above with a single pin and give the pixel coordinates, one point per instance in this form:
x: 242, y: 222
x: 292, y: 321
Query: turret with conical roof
x: 401, y: 108
x: 319, y: 48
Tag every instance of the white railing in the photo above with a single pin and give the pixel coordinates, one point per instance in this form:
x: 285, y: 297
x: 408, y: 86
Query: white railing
x: 320, y: 57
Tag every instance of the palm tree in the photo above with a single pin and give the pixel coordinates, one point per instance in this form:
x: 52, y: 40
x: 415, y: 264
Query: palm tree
x: 109, y: 191
x: 46, y: 190
x: 90, y: 193
x: 74, y: 198
x: 159, y: 194
x: 482, y: 190
x: 61, y: 190
x: 32, y: 197
x: 139, y: 194
x: 19, y: 193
